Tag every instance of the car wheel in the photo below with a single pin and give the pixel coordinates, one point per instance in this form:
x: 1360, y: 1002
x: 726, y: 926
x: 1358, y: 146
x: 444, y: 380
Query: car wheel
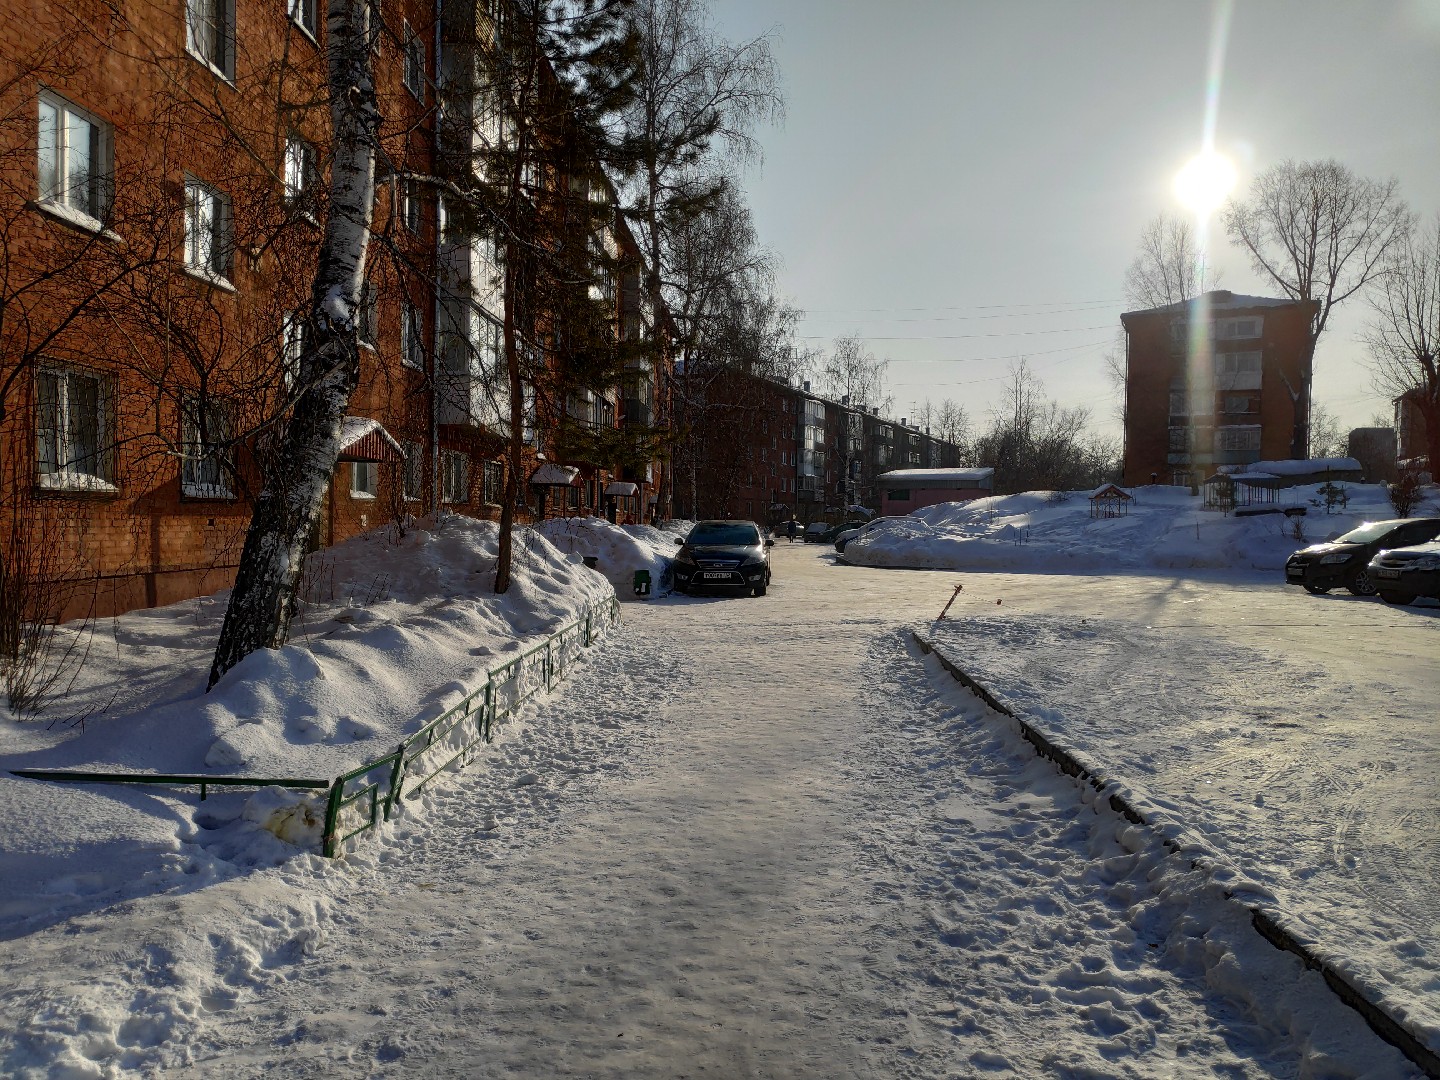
x: 1360, y: 584
x: 1317, y: 590
x: 1401, y: 598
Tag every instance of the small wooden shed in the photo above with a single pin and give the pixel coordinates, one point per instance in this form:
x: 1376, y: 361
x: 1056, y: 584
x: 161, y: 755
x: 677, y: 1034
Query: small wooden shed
x: 1110, y: 501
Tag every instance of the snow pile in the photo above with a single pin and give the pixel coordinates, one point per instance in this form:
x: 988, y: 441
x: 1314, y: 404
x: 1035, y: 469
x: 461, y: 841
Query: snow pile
x: 1053, y: 532
x: 618, y: 550
x: 393, y: 632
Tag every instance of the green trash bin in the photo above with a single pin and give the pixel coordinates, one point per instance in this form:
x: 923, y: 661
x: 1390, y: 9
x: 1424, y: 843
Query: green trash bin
x: 642, y: 582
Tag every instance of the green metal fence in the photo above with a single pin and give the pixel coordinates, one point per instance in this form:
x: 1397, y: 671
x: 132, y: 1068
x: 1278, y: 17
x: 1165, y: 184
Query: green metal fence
x: 363, y: 797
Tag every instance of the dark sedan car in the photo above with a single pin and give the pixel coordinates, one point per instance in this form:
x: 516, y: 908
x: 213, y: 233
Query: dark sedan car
x: 1402, y: 574
x: 724, y: 554
x: 1346, y: 559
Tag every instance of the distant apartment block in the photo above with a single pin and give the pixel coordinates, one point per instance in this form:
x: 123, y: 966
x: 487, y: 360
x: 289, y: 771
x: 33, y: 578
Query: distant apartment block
x: 1219, y: 380
x: 769, y: 450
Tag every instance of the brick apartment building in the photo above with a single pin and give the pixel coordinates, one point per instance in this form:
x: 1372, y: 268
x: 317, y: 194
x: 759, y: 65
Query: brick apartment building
x: 777, y: 450
x: 1414, y: 450
x: 1219, y: 380
x: 161, y: 179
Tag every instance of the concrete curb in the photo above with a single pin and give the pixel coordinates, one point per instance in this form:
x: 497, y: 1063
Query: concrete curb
x: 1269, y: 924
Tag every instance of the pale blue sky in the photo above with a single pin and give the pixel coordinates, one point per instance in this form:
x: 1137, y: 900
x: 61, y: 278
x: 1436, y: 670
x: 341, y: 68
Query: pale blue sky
x: 974, y: 176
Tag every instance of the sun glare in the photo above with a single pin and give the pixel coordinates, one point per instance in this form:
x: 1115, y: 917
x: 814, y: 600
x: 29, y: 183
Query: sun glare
x: 1205, y: 182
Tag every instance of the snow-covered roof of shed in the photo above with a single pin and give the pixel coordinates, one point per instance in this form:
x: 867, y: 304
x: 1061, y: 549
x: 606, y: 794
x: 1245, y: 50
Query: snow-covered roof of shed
x: 355, y: 428
x: 551, y: 475
x: 933, y: 477
x: 1305, y: 466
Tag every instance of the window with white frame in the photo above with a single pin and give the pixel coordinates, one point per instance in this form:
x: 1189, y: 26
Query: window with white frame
x: 414, y: 470
x: 293, y: 334
x: 204, y: 445
x: 410, y: 206
x: 71, y: 430
x: 454, y: 477
x: 364, y: 479
x: 1237, y: 363
x: 492, y: 483
x: 304, y: 13
x: 74, y: 161
x: 1233, y: 329
x: 210, y: 34
x: 414, y: 62
x: 412, y: 344
x: 1237, y: 438
x: 207, y: 229
x: 301, y: 169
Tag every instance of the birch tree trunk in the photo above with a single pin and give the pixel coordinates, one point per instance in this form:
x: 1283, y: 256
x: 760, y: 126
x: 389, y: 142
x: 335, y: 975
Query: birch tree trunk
x: 262, y: 602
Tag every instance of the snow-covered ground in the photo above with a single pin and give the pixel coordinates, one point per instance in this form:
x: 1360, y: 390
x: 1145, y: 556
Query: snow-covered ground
x: 755, y: 837
x: 1164, y: 528
x: 749, y: 837
x: 619, y: 551
x: 399, y: 628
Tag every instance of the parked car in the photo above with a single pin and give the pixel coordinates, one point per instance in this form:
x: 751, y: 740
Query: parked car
x: 723, y: 554
x: 851, y: 530
x: 818, y: 532
x: 1401, y: 574
x: 1346, y: 559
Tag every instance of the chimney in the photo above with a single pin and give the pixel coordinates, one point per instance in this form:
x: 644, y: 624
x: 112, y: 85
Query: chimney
x: 805, y: 386
x: 904, y: 421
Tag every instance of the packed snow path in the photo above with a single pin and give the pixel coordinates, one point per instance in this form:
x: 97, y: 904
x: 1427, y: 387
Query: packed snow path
x: 749, y: 838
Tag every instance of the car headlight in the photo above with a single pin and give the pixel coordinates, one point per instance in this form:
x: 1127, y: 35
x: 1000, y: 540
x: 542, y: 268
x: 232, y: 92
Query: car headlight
x: 1425, y: 562
x: 1329, y: 560
x: 685, y: 559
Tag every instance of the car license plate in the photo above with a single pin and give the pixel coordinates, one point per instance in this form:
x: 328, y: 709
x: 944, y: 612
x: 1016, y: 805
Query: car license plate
x: 1382, y: 572
x: 716, y: 575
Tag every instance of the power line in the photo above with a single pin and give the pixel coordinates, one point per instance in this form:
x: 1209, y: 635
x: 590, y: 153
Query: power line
x: 982, y: 307
x: 957, y: 337
x: 1007, y: 356
x: 968, y: 318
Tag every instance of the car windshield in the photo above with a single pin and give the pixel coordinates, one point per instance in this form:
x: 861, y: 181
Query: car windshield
x: 724, y: 533
x: 1371, y: 530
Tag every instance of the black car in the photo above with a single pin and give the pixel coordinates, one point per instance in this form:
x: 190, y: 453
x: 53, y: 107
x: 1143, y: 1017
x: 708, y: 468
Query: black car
x: 1402, y: 574
x: 726, y: 555
x: 1346, y: 559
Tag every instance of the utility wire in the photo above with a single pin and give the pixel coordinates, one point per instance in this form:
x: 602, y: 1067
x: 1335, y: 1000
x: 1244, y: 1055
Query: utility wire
x: 957, y: 337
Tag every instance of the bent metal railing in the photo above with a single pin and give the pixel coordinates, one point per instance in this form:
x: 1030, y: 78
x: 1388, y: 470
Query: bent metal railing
x: 358, y: 800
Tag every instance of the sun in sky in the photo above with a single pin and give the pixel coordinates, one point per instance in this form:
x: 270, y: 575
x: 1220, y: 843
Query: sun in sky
x: 1205, y: 182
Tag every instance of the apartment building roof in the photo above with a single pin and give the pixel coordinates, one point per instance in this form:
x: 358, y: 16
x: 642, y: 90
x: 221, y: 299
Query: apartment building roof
x: 1217, y: 300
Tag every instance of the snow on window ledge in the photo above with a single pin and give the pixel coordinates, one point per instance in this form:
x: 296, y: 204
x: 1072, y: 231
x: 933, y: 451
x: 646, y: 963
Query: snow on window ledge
x: 219, y: 73
x: 209, y: 277
x: 206, y: 491
x: 76, y: 481
x: 362, y: 494
x: 78, y: 218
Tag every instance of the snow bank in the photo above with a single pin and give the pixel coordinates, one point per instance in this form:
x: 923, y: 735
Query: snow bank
x: 394, y: 631
x: 1166, y: 528
x: 619, y: 551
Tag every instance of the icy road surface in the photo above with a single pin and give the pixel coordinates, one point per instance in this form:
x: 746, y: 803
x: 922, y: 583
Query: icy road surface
x: 749, y: 838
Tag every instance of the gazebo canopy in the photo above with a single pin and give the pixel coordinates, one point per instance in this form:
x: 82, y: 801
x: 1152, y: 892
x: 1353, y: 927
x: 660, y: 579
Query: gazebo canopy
x: 1110, y: 501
